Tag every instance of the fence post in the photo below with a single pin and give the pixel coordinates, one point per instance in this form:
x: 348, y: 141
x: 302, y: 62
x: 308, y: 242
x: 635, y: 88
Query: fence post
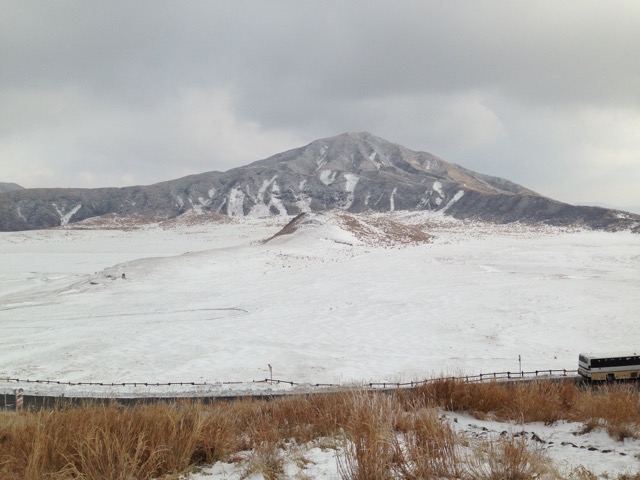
x: 19, y: 398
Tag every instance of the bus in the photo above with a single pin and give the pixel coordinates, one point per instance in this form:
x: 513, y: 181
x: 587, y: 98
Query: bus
x: 610, y: 367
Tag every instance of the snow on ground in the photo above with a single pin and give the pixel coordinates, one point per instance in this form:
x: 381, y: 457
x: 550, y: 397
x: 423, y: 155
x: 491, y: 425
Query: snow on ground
x: 211, y: 303
x: 568, y: 450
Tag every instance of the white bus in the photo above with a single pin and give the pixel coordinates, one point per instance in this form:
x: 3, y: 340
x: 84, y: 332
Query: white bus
x: 614, y: 366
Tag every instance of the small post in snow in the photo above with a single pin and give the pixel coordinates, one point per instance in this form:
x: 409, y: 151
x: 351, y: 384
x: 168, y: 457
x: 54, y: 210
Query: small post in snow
x: 270, y: 374
x: 520, y: 362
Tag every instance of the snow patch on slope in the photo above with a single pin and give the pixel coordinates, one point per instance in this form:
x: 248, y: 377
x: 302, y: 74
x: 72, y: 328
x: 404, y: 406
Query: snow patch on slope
x: 263, y: 188
x: 235, y: 202
x: 20, y: 214
x: 392, y: 205
x: 323, y: 157
x: 303, y: 201
x: 455, y: 198
x: 264, y: 206
x: 328, y: 177
x: 351, y: 181
x: 66, y: 217
x: 275, y: 201
x: 374, y: 159
x: 202, y: 203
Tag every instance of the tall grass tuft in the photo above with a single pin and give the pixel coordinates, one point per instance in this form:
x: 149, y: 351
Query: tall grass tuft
x: 613, y: 407
x: 368, y: 438
x: 428, y: 448
x: 540, y: 401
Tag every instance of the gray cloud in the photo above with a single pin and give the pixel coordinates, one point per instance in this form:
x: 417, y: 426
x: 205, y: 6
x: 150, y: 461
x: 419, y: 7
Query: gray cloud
x: 113, y: 93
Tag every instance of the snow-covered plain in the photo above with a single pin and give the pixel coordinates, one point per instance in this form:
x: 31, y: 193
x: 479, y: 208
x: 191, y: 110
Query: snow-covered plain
x: 210, y: 302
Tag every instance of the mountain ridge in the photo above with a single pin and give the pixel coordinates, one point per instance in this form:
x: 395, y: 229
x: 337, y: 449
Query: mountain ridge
x: 353, y: 171
x: 8, y: 187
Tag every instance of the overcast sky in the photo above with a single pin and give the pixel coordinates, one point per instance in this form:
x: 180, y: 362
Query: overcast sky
x: 117, y: 93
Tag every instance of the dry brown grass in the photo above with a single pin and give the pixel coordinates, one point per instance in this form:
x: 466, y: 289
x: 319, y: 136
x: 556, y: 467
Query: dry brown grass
x: 541, y: 401
x: 368, y: 438
x: 428, y: 448
x: 511, y: 459
x: 111, y: 442
x: 266, y: 459
x: 614, y: 407
x: 382, y: 435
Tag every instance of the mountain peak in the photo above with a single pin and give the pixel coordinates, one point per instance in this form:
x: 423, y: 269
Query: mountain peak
x: 353, y: 172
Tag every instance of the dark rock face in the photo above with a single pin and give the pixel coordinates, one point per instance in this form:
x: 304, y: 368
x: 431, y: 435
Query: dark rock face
x: 354, y: 172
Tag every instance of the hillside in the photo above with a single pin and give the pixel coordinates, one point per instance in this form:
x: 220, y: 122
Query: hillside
x: 352, y: 172
x: 7, y: 187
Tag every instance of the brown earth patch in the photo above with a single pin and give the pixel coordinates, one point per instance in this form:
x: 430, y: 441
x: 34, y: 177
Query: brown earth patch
x: 383, y: 231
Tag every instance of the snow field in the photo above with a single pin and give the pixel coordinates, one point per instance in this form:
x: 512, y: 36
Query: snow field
x: 319, y: 305
x: 212, y: 303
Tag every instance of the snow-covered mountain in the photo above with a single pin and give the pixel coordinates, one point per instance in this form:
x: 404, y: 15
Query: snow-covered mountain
x: 354, y: 172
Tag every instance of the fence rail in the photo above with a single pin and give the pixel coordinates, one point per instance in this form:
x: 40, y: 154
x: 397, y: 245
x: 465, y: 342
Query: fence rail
x: 10, y: 400
x: 482, y: 377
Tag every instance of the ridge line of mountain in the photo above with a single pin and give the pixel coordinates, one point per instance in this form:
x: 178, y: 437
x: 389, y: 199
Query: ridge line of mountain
x: 354, y: 172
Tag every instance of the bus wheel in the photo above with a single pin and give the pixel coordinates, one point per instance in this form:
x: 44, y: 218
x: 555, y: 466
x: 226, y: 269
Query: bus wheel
x: 611, y: 377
